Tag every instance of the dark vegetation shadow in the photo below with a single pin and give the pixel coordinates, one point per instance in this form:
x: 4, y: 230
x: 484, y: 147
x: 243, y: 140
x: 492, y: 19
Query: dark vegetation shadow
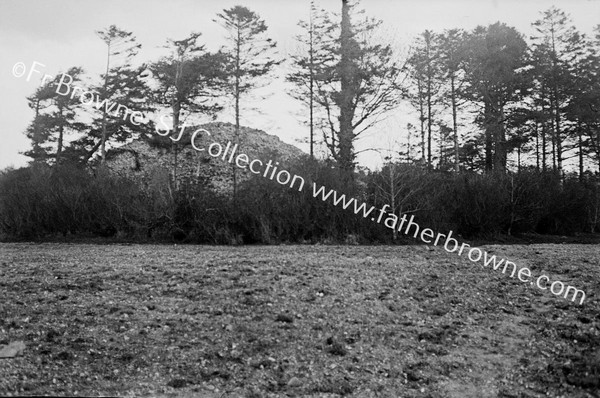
x: 72, y: 203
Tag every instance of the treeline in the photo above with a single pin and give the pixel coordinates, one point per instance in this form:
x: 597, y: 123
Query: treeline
x: 67, y: 201
x: 486, y: 99
x: 532, y: 101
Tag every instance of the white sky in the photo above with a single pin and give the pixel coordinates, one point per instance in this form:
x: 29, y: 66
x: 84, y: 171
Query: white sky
x: 60, y: 34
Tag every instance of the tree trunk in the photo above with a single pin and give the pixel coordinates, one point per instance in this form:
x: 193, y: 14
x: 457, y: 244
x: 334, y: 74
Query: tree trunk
x: 544, y: 133
x: 558, y: 135
x: 553, y: 131
x: 347, y: 77
x: 580, y: 139
x: 557, y: 144
x: 36, y: 146
x: 499, y: 140
x: 598, y: 149
x: 92, y: 151
x: 544, y: 130
x: 60, y: 143
x: 393, y: 195
x: 408, y: 157
x: 312, y: 81
x: 489, y: 161
x: 441, y: 161
x: 104, y: 121
x: 537, y: 147
x: 454, y: 122
x: 421, y: 117
x: 237, y: 95
x: 174, y: 146
x: 429, y: 95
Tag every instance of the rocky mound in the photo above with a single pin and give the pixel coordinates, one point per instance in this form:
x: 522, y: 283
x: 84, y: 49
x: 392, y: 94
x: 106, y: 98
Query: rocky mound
x: 152, y: 159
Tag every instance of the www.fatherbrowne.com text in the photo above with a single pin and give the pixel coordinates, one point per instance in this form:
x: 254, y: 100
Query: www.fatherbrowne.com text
x: 450, y: 244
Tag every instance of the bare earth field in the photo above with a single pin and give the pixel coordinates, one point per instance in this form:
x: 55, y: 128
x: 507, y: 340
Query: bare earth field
x: 310, y: 321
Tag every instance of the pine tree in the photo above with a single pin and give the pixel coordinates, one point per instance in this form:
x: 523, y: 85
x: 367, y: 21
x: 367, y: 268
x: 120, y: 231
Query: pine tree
x: 250, y: 53
x: 563, y: 44
x: 592, y: 121
x: 308, y: 64
x: 452, y: 57
x: 121, y: 47
x: 56, y: 116
x: 425, y: 72
x: 188, y: 80
x: 494, y: 70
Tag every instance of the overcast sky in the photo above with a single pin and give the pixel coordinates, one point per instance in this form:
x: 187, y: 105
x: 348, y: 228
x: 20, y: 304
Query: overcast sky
x: 60, y: 34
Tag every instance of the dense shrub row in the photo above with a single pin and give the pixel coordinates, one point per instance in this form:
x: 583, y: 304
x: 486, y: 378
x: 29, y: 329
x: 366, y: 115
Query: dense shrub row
x: 40, y: 202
